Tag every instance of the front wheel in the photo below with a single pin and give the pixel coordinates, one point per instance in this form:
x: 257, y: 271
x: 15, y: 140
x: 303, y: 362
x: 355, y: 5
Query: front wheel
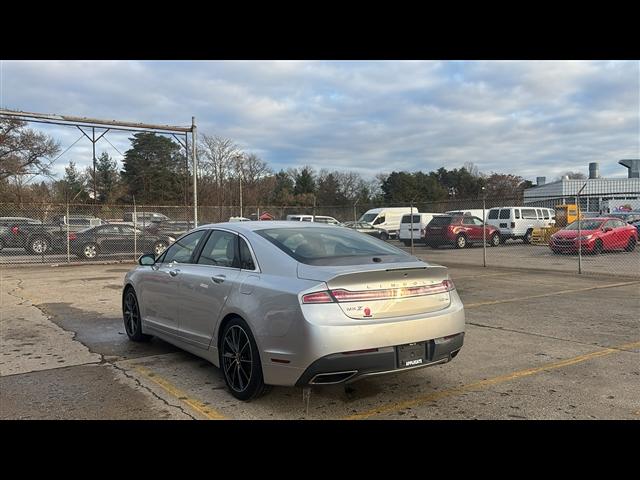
x: 384, y: 236
x: 597, y: 248
x: 89, y: 251
x: 527, y: 236
x: 240, y: 361
x: 131, y: 316
x: 631, y: 245
x: 495, y: 240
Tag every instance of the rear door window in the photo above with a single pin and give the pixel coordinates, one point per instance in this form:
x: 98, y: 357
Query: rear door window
x: 246, y: 260
x: 516, y: 212
x: 493, y: 214
x: 220, y: 250
x: 440, y: 221
x: 505, y: 213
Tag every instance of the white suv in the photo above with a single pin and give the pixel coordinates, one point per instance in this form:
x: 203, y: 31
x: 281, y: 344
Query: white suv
x: 519, y: 222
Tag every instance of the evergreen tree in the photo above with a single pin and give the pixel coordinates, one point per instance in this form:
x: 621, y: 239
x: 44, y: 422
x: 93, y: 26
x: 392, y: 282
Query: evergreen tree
x: 154, y: 170
x: 305, y: 181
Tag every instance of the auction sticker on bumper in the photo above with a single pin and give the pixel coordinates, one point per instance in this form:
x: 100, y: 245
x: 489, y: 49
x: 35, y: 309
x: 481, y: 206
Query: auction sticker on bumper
x: 412, y: 354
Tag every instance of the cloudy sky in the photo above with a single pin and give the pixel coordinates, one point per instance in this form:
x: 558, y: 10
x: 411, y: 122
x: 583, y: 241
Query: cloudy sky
x: 529, y: 118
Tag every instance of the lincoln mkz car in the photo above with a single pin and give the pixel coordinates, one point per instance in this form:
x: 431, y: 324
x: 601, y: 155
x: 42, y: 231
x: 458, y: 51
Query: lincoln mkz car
x: 294, y: 304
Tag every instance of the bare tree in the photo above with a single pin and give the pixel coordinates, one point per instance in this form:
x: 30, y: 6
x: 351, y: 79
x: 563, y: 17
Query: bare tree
x: 217, y: 162
x: 23, y: 151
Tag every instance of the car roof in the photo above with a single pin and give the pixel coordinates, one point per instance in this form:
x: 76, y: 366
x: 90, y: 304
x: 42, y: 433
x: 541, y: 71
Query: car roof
x: 254, y: 225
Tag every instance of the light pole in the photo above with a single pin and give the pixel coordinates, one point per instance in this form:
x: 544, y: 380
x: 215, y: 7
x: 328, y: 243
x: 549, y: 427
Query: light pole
x: 239, y: 168
x: 411, y: 220
x: 354, y: 211
x: 579, y: 230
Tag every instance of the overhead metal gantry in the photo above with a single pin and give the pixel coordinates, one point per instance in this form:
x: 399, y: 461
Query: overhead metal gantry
x: 93, y: 123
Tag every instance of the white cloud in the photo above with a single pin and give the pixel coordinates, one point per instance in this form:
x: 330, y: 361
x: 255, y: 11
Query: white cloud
x: 529, y: 118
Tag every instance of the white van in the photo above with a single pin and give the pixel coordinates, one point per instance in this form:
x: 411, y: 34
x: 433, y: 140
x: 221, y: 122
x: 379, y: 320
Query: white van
x: 420, y: 221
x: 477, y: 212
x: 519, y: 222
x: 309, y: 218
x: 387, y: 219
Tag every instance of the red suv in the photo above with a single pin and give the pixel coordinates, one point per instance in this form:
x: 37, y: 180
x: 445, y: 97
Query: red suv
x: 458, y: 230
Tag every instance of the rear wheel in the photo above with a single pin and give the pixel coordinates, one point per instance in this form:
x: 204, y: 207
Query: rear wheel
x: 39, y: 245
x: 240, y: 361
x: 495, y: 240
x: 159, y: 247
x: 461, y: 241
x: 89, y: 251
x: 384, y: 236
x: 527, y: 236
x: 631, y: 244
x: 407, y: 243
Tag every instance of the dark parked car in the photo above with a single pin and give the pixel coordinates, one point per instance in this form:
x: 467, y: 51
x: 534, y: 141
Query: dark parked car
x: 173, y: 228
x: 116, y: 238
x: 459, y: 230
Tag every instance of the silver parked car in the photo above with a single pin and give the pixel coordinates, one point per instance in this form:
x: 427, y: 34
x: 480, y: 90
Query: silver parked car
x: 273, y: 303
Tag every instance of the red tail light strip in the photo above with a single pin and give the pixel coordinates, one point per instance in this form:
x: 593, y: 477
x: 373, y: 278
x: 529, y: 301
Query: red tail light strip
x: 342, y: 295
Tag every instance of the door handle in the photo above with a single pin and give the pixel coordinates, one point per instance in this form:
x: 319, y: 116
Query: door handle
x: 173, y: 273
x: 218, y: 278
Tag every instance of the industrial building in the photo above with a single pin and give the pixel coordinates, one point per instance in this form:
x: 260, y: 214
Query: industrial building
x: 603, y: 195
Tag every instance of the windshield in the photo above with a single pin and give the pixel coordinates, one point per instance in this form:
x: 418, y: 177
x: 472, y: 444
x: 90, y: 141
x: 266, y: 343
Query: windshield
x: 586, y: 225
x: 368, y: 217
x: 322, y: 246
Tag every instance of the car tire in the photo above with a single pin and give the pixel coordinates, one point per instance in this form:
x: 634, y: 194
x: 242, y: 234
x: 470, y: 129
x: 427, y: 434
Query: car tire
x: 597, y: 247
x: 240, y: 361
x: 461, y: 241
x: 38, y: 245
x: 159, y: 248
x: 555, y: 251
x: 631, y: 244
x: 495, y: 240
x: 89, y: 251
x: 384, y: 236
x: 1, y: 245
x: 503, y: 239
x: 131, y: 317
x: 527, y: 236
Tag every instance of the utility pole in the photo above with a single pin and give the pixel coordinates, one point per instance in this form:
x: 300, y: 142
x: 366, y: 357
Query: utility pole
x: 580, y: 230
x: 194, y: 142
x: 484, y: 229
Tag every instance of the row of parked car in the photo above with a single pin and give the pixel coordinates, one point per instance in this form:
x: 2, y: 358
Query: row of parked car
x: 593, y: 234
x: 88, y: 236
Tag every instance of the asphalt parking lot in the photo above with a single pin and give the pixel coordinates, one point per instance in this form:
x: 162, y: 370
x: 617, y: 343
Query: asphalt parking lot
x: 539, y: 345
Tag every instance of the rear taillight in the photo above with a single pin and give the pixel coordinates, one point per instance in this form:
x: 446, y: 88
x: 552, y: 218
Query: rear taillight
x: 317, y: 297
x: 15, y: 230
x: 341, y: 295
x: 72, y: 236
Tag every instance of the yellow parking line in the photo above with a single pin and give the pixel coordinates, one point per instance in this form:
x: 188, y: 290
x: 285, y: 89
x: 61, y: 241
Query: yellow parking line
x: 541, y: 295
x: 168, y: 387
x: 392, y: 407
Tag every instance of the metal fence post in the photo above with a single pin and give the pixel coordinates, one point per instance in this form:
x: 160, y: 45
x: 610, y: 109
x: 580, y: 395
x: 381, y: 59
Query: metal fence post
x: 484, y: 230
x: 579, y: 229
x: 68, y: 243
x: 135, y: 230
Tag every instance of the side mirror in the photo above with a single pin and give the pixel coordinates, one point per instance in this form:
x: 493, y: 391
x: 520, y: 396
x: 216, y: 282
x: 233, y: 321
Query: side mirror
x: 607, y: 229
x: 147, y: 259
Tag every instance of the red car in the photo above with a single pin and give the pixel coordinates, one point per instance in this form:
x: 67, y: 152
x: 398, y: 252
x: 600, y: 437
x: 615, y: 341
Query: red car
x: 458, y: 230
x: 596, y: 236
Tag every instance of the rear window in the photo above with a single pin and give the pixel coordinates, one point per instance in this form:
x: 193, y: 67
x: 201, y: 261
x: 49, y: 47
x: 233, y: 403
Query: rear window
x: 529, y: 213
x: 440, y: 221
x: 407, y: 219
x: 493, y: 214
x: 505, y: 213
x: 329, y: 246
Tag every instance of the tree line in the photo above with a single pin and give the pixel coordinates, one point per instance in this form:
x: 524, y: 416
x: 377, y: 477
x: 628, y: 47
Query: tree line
x: 155, y: 171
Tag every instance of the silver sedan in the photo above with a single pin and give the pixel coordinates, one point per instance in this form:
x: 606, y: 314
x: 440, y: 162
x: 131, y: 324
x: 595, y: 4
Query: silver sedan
x: 294, y: 303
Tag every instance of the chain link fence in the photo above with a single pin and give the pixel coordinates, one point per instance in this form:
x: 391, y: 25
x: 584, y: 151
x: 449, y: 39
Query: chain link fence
x: 534, y: 232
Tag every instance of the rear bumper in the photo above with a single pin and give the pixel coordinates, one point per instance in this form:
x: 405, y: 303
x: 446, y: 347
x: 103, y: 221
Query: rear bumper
x: 316, y: 344
x: 348, y: 368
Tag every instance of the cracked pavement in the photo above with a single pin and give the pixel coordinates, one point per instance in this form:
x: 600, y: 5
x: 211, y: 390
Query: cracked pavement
x: 64, y: 354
